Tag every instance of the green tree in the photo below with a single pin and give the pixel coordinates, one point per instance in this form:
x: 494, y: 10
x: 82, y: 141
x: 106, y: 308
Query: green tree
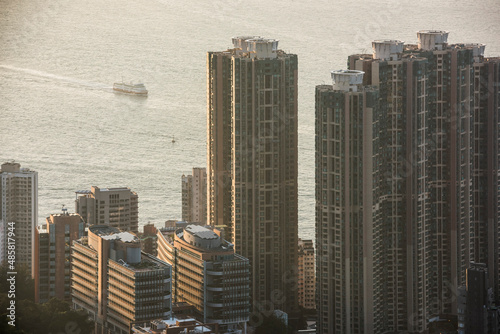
x: 25, y: 285
x: 24, y: 291
x: 64, y: 320
x: 55, y: 316
x: 8, y: 329
x: 274, y: 325
x: 28, y: 317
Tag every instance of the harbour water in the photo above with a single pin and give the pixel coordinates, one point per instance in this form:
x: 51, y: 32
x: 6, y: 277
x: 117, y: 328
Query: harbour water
x: 59, y: 59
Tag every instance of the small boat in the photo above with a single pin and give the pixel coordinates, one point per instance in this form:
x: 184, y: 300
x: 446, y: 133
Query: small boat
x: 173, y: 140
x: 130, y: 88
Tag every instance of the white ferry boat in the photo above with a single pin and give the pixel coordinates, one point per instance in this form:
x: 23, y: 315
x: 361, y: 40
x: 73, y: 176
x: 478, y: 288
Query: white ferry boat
x: 130, y: 88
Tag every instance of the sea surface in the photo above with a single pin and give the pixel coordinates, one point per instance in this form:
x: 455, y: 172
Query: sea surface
x: 59, y: 59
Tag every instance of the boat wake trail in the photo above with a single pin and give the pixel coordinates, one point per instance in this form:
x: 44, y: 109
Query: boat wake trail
x: 41, y: 74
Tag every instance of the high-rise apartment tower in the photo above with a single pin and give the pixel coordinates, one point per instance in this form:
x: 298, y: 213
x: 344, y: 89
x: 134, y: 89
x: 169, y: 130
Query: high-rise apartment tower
x: 52, y: 263
x: 345, y: 114
x: 306, y: 277
x: 117, y: 207
x: 194, y: 196
x: 252, y: 161
x: 19, y: 211
x: 416, y: 198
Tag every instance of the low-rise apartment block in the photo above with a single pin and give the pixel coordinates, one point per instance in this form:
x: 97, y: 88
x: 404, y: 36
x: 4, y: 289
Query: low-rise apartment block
x: 116, y: 283
x: 208, y: 274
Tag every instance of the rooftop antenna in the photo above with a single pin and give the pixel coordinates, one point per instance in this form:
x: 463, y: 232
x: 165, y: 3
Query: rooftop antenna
x: 64, y: 210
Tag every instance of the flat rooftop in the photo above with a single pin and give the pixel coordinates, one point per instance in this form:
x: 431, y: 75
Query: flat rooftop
x: 201, y: 232
x: 114, y: 189
x: 123, y: 236
x: 176, y: 322
x: 147, y: 264
x: 103, y: 190
x: 204, y: 233
x: 112, y: 233
x: 83, y: 191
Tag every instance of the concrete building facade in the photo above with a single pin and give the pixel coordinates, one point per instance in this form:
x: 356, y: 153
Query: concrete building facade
x: 424, y: 162
x: 486, y: 167
x: 116, y: 207
x: 252, y: 161
x: 116, y: 283
x: 52, y: 263
x: 477, y: 311
x: 208, y: 274
x: 19, y: 211
x: 307, y: 277
x: 194, y: 196
x: 149, y: 240
x: 345, y: 117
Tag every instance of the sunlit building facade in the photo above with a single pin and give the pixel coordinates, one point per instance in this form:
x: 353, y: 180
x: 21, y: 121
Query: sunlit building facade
x: 116, y: 283
x: 306, y: 275
x: 428, y: 196
x: 346, y: 114
x: 194, y: 196
x: 207, y: 274
x: 252, y: 161
x: 18, y: 213
x: 116, y: 207
x: 52, y: 263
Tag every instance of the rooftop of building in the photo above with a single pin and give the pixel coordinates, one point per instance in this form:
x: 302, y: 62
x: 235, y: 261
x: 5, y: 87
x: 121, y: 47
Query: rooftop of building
x: 433, y: 32
x: 254, y: 47
x: 14, y: 167
x: 388, y: 41
x: 201, y: 232
x: 361, y: 88
x: 148, y: 263
x: 170, y: 234
x: 112, y: 189
x: 428, y: 41
x: 205, y: 234
x: 238, y: 53
x: 94, y: 188
x: 83, y: 192
x: 107, y: 232
x: 173, y: 225
x: 157, y: 326
x: 65, y: 214
x: 123, y: 236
